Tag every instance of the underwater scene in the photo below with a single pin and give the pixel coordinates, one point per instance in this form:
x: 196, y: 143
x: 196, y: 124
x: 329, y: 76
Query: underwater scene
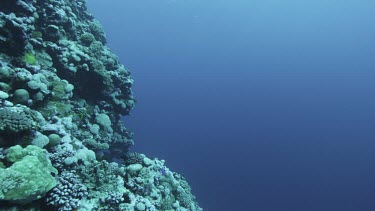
x: 187, y: 105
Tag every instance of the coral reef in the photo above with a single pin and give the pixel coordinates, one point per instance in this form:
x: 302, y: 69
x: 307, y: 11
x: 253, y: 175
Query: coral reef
x: 62, y: 95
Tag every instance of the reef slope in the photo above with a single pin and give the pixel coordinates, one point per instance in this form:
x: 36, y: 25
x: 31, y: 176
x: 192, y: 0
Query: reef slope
x: 62, y: 95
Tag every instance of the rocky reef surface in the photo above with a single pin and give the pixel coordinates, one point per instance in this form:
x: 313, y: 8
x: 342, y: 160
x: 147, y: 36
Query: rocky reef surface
x: 62, y: 95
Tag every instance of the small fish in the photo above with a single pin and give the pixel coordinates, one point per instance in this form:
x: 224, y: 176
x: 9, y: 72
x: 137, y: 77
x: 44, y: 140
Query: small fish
x: 162, y: 171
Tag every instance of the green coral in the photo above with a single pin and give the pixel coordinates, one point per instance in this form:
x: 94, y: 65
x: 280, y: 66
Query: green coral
x: 58, y: 92
x: 29, y: 178
x: 29, y: 58
x: 52, y: 108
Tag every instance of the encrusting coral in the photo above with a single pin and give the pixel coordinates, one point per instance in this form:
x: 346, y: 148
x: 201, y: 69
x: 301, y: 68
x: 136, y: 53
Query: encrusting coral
x: 62, y: 95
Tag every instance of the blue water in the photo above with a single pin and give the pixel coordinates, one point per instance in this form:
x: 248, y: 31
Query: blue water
x: 263, y: 105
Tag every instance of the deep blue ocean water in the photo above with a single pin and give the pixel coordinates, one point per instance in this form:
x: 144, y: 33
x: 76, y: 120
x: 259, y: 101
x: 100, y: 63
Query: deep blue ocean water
x: 263, y: 105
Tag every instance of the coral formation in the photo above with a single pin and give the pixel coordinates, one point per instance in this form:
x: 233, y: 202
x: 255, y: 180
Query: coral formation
x: 15, y: 119
x: 62, y: 95
x: 29, y: 177
x: 66, y: 195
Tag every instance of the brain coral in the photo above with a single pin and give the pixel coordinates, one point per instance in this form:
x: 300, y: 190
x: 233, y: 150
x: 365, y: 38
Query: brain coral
x: 15, y: 119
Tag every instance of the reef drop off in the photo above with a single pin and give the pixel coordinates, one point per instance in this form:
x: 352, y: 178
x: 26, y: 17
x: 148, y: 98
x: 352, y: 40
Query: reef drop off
x: 62, y: 96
